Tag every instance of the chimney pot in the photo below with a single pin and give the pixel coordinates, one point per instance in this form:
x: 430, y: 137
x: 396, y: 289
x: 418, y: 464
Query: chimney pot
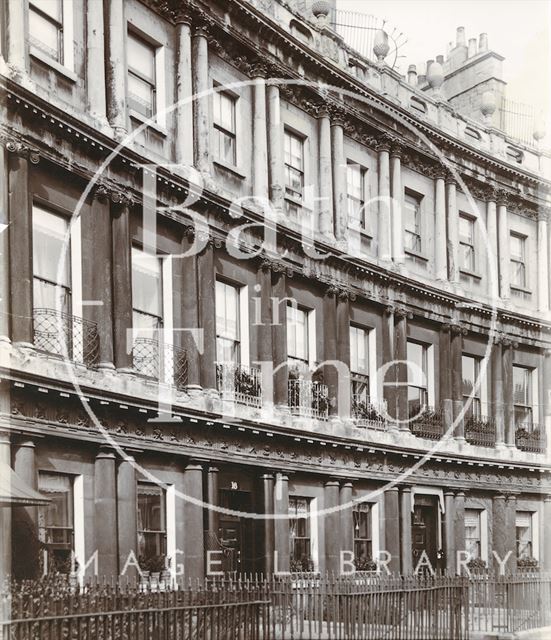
x: 472, y: 48
x: 429, y: 62
x: 412, y: 75
x: 483, y: 42
x: 460, y: 37
x: 440, y: 59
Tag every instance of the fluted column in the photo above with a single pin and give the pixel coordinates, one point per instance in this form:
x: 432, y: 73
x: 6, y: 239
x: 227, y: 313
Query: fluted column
x: 115, y: 66
x: 339, y: 177
x: 383, y: 218
x: 95, y: 54
x: 16, y: 31
x: 504, y: 247
x: 453, y: 230
x: 194, y: 554
x: 281, y: 524
x: 200, y: 70
x: 207, y: 315
x: 268, y: 523
x: 397, y: 240
x: 392, y: 527
x: 260, y: 133
x: 492, y: 248
x: 543, y: 263
x: 105, y: 513
x: 405, y: 531
x: 275, y: 147
x: 440, y: 238
x: 497, y: 390
x: 456, y: 347
x: 325, y: 178
x: 509, y: 414
x: 184, y: 91
x: 126, y: 513
x: 332, y: 521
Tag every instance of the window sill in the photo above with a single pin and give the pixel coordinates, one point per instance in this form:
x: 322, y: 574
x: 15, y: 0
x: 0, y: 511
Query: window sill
x: 471, y: 274
x: 415, y: 254
x: 230, y: 168
x: 515, y: 287
x: 363, y: 232
x: 53, y: 64
x: 150, y: 124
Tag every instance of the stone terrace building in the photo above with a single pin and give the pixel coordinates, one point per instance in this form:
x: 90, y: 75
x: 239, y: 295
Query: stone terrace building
x: 412, y: 282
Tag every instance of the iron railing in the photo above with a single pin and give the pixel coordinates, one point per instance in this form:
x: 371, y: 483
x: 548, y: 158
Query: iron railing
x: 531, y: 438
x: 366, y: 414
x: 480, y: 430
x: 428, y: 423
x: 160, y: 361
x: 66, y: 335
x: 239, y: 383
x: 518, y: 120
x: 308, y: 399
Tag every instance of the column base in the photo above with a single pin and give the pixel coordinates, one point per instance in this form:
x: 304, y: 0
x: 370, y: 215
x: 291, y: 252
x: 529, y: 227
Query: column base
x: 106, y: 366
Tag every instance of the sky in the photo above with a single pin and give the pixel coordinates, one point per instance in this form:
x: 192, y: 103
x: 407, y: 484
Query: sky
x: 518, y: 30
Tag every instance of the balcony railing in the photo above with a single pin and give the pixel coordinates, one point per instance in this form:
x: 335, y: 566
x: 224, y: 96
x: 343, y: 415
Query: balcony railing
x: 164, y: 362
x: 239, y: 383
x: 480, y: 430
x: 427, y: 423
x: 366, y: 414
x: 531, y: 438
x: 66, y: 335
x: 308, y: 399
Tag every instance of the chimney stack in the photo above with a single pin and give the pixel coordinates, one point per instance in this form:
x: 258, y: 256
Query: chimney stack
x: 460, y: 37
x: 483, y: 42
x: 472, y: 48
x: 412, y: 75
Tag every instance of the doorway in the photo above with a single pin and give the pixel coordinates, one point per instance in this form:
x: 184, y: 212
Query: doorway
x: 235, y: 533
x: 424, y: 532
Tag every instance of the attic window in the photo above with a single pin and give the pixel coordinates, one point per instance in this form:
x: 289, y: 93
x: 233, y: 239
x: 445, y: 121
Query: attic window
x: 300, y: 31
x: 515, y: 155
x: 472, y: 133
x: 418, y: 104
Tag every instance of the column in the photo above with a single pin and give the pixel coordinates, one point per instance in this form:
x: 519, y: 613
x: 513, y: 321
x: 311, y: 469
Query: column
x: 95, y: 54
x: 20, y: 237
x: 459, y: 520
x: 194, y: 554
x: 332, y: 523
x: 122, y: 280
x: 497, y: 389
x: 392, y: 528
x: 343, y: 345
x: 127, y: 524
x: 347, y: 521
x: 213, y: 500
x: 339, y: 177
x: 268, y: 523
x: 450, y: 549
x: 456, y: 348
x: 115, y: 66
x: 511, y: 516
x: 406, y: 567
x: 445, y: 376
x: 440, y: 239
x: 281, y: 524
x: 279, y: 338
x: 508, y: 411
x: 275, y: 146
x: 546, y: 392
x: 546, y: 564
x: 492, y: 250
x: 383, y: 218
x: 207, y: 315
x: 543, y: 263
x: 499, y: 529
x: 5, y: 516
x: 401, y: 370
x: 25, y: 519
x: 16, y: 30
x: 186, y: 270
x: 260, y: 134
x: 200, y: 78
x: 184, y: 91
x: 504, y: 246
x: 397, y: 239
x: 330, y: 373
x: 325, y: 177
x: 388, y: 390
x: 105, y: 513
x: 453, y: 231
x: 4, y: 247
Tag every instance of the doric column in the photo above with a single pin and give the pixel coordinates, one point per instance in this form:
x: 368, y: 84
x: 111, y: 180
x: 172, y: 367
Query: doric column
x: 25, y: 519
x: 332, y: 521
x: 450, y: 549
x: 492, y: 250
x: 453, y: 230
x: 260, y: 133
x: 213, y: 500
x: 543, y: 263
x: 275, y: 147
x: 95, y: 55
x: 440, y: 238
x: 127, y: 513
x: 20, y: 238
x: 511, y: 515
x: 281, y: 524
x: 445, y: 363
x: 504, y: 246
x: 347, y: 521
x: 122, y: 279
x: 115, y: 66
x: 401, y: 370
x: 186, y: 270
x: 325, y: 223
x: 184, y: 91
x: 5, y: 516
x: 207, y: 315
x: 456, y: 348
x: 397, y: 240
x: 268, y: 523
x: 383, y: 218
x: 105, y: 513
x: 459, y: 520
x: 200, y: 70
x: 264, y: 333
x: 4, y: 247
x: 343, y: 327
x: 279, y: 337
x: 392, y: 527
x: 339, y: 176
x: 330, y: 373
x: 388, y: 390
x: 546, y: 564
x: 499, y: 529
x: 509, y: 414
x: 194, y: 554
x: 16, y: 31
x: 406, y: 567
x: 497, y: 389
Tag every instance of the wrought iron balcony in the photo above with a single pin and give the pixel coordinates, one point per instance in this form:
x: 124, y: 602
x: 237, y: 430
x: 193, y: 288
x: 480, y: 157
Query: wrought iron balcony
x: 427, y: 423
x: 366, y: 414
x: 480, y: 430
x: 531, y: 438
x: 66, y: 335
x: 239, y: 383
x: 164, y: 362
x: 308, y: 399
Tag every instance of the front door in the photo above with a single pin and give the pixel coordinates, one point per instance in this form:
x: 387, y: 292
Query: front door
x: 424, y: 532
x: 235, y: 532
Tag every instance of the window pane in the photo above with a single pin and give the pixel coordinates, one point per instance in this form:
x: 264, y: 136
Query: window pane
x: 297, y: 333
x: 517, y: 248
x: 45, y: 35
x: 224, y: 111
x: 521, y: 385
x: 416, y: 355
x: 227, y: 310
x: 146, y: 283
x: 59, y: 489
x: 52, y: 8
x: 140, y: 95
x: 49, y: 237
x: 141, y: 58
x: 359, y: 347
x: 466, y: 229
x: 411, y: 214
x: 470, y: 369
x: 293, y: 151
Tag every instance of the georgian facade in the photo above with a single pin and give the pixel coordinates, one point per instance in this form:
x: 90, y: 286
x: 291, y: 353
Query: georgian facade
x: 404, y: 232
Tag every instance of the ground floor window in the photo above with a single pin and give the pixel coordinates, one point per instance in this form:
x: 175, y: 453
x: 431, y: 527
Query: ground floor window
x: 473, y: 533
x: 56, y: 522
x: 363, y: 543
x: 151, y: 527
x: 524, y: 535
x: 300, y: 532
